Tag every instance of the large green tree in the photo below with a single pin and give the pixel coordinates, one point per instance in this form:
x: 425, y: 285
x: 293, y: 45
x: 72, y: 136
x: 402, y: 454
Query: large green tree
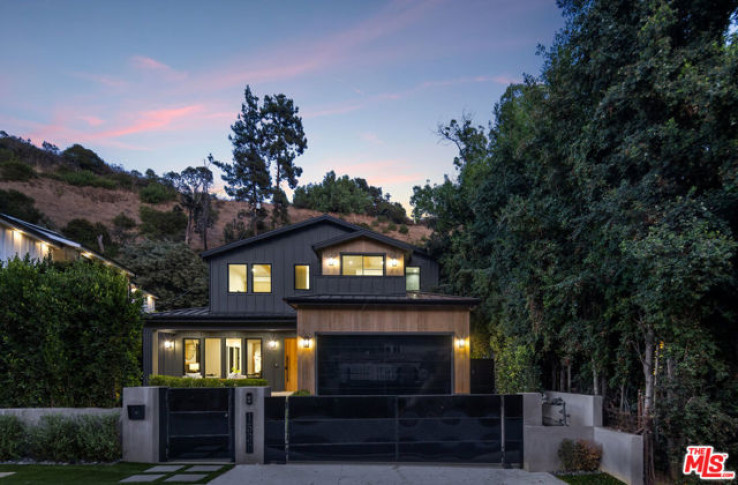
x: 266, y: 138
x: 169, y: 270
x: 596, y: 218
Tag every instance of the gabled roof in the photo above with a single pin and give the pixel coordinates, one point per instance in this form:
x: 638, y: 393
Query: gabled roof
x: 56, y: 240
x: 365, y: 234
x: 307, y: 223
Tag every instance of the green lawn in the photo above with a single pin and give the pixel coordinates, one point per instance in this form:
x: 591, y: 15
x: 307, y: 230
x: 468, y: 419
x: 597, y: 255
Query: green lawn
x: 82, y: 474
x: 596, y: 479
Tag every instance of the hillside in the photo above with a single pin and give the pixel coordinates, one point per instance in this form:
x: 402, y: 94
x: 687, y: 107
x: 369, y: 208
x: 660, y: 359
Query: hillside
x: 62, y: 202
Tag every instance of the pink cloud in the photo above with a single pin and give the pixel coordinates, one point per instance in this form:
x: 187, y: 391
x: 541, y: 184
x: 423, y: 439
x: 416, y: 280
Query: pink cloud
x: 92, y: 120
x: 290, y: 61
x: 144, y: 63
x: 371, y: 138
x: 107, y: 81
x: 150, y: 121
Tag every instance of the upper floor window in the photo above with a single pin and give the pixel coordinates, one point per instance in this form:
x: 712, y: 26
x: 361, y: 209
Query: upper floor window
x: 362, y: 265
x: 237, y: 282
x: 262, y: 274
x: 412, y: 278
x: 302, y: 277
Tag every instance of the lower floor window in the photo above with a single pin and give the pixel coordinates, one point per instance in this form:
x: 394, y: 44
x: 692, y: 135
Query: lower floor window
x: 243, y: 357
x: 191, y: 356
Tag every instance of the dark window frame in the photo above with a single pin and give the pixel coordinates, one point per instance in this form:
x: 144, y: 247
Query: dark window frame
x: 228, y: 277
x: 384, y: 265
x: 294, y: 275
x: 420, y: 272
x: 271, y: 279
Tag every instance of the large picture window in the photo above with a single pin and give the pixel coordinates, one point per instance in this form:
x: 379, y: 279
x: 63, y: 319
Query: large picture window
x: 262, y: 274
x: 362, y: 265
x: 237, y: 282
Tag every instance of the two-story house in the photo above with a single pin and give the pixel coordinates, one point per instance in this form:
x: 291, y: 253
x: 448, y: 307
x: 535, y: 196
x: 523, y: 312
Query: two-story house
x: 321, y: 305
x: 19, y: 238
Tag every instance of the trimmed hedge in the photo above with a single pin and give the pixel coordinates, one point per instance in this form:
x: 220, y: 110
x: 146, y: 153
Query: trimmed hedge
x: 12, y: 432
x: 171, y: 381
x: 65, y: 439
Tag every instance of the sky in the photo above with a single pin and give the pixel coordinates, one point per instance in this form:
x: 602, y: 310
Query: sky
x: 157, y: 84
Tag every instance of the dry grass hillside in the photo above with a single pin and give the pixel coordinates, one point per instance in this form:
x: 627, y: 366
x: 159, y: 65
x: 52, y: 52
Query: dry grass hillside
x: 62, y: 202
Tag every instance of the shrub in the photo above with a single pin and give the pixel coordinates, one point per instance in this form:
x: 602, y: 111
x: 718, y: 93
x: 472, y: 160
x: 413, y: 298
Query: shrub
x: 404, y: 229
x: 76, y: 439
x: 12, y: 438
x: 156, y: 193
x: 15, y: 170
x: 391, y: 226
x: 19, y: 205
x: 375, y: 223
x: 301, y: 392
x: 580, y: 455
x: 161, y: 224
x: 172, y: 381
x: 85, y: 178
x: 98, y: 438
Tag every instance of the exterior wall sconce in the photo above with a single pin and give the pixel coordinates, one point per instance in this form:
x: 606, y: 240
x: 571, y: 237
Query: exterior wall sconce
x: 460, y: 343
x: 332, y: 262
x: 273, y: 344
x: 168, y: 344
x: 393, y: 262
x: 306, y: 342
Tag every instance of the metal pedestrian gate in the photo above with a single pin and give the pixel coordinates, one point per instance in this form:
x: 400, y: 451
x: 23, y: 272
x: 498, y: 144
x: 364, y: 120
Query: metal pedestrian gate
x: 198, y: 424
x: 447, y: 428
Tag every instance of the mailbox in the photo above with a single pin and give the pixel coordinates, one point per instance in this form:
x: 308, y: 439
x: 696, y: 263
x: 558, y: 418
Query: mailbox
x: 136, y: 412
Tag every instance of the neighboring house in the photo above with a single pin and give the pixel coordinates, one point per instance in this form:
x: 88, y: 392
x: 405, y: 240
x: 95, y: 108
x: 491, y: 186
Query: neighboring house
x: 20, y: 238
x: 321, y: 305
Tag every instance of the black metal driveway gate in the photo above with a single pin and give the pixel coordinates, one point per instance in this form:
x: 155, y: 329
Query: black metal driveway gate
x: 449, y: 428
x: 199, y: 424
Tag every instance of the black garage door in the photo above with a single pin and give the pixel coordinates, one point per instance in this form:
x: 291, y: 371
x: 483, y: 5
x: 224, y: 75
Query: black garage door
x: 384, y: 364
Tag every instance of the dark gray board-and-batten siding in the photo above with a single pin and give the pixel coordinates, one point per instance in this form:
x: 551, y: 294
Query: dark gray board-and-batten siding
x: 283, y: 252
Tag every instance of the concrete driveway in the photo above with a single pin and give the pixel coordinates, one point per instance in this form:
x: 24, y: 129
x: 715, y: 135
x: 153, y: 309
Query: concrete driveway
x: 354, y: 474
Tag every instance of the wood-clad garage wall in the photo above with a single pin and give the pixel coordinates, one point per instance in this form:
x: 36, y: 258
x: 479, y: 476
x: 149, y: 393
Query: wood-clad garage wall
x: 314, y: 321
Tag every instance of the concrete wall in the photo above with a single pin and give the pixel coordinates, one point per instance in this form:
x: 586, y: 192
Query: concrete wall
x: 582, y: 409
x: 32, y: 416
x: 241, y: 410
x: 622, y: 455
x: 141, y: 437
x: 541, y: 445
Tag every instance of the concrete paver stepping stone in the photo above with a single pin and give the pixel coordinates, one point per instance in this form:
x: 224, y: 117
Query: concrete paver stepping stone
x: 186, y: 477
x: 141, y: 478
x: 204, y: 468
x: 6, y: 474
x: 164, y: 469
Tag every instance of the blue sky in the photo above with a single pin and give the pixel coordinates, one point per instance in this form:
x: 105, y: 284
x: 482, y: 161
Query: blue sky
x: 157, y: 84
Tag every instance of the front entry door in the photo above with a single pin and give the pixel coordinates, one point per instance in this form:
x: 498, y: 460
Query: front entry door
x: 290, y: 364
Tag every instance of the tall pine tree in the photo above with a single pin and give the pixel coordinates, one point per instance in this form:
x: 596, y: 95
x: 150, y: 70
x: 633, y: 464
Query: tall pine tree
x: 248, y: 178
